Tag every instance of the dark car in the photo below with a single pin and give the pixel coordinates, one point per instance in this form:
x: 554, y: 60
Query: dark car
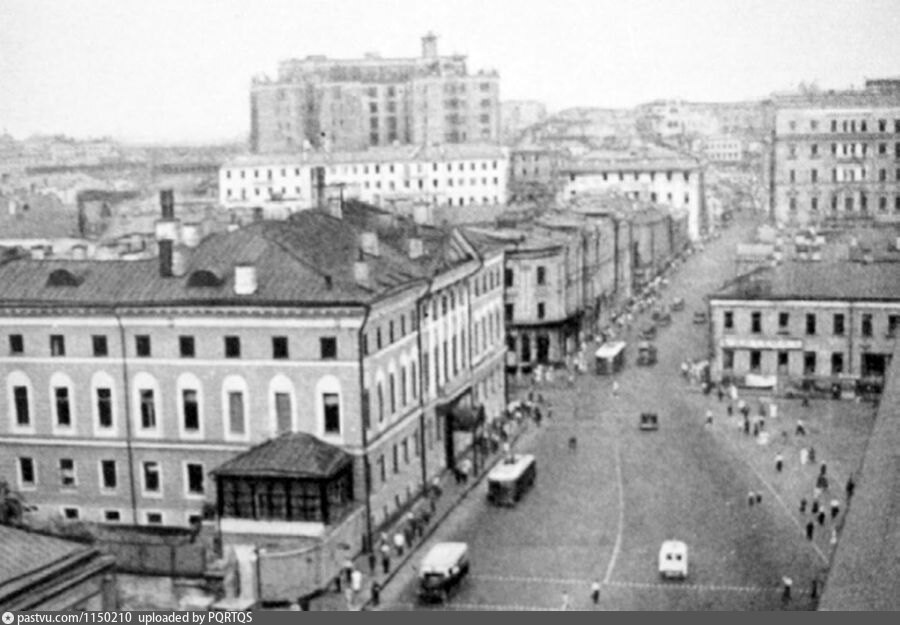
x: 649, y: 421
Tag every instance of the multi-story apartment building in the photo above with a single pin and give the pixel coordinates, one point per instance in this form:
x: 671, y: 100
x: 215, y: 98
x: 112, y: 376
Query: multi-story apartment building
x: 350, y: 104
x: 534, y: 173
x: 653, y: 175
x: 449, y: 175
x: 724, y: 148
x: 819, y: 321
x: 836, y: 157
x: 127, y: 383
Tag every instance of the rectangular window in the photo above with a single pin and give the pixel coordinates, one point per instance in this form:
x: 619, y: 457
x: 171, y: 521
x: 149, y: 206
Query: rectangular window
x: 331, y: 410
x: 104, y: 408
x: 20, y: 398
x: 328, y: 347
x: 837, y: 363
x: 151, y: 477
x: 541, y: 276
x: 191, y: 409
x: 809, y: 363
x: 283, y: 418
x: 382, y: 472
x: 186, y: 346
x: 63, y: 410
x: 279, y: 347
x: 16, y: 344
x: 756, y: 322
x: 755, y: 360
x: 142, y: 345
x: 838, y: 325
x: 782, y: 358
x: 232, y: 347
x: 236, y: 424
x: 57, y: 345
x: 390, y: 332
x: 392, y: 393
x: 112, y: 516
x: 154, y: 518
x: 396, y: 458
x: 71, y: 514
x: 540, y: 310
x: 108, y: 477
x: 148, y: 409
x: 783, y: 320
x: 893, y: 325
x: 67, y: 472
x: 98, y: 341
x: 27, y: 474
x: 811, y: 323
x: 508, y: 312
x: 405, y: 446
x: 508, y: 278
x: 867, y: 325
x: 194, y: 474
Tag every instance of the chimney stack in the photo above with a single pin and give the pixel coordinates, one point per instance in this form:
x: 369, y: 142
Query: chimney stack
x: 245, y: 282
x: 167, y: 232
x: 369, y: 243
x: 429, y: 46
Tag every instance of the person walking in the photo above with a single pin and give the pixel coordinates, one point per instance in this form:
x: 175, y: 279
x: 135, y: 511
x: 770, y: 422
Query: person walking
x: 779, y: 462
x: 821, y: 517
x: 615, y: 388
x: 751, y: 498
x: 356, y: 581
x: 803, y: 505
x: 376, y: 592
x: 720, y: 393
x: 399, y: 543
x: 850, y: 487
x: 835, y: 508
x: 595, y: 592
x: 565, y: 601
x: 810, y: 528
x: 709, y: 417
x: 786, y: 584
x: 385, y: 558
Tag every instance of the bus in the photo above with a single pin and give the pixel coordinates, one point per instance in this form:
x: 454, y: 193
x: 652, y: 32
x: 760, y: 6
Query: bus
x: 510, y: 479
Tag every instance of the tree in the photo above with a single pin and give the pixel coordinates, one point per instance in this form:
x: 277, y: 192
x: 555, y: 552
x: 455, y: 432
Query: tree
x: 12, y: 505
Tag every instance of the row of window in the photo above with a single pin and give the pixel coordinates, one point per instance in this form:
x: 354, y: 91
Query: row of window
x: 848, y: 125
x: 849, y: 174
x: 809, y: 361
x: 151, y: 517
x: 838, y: 323
x: 187, y: 348
x: 109, y: 477
x: 850, y: 202
x: 510, y: 311
x: 390, y: 186
x: 637, y: 175
x: 365, y: 169
x: 147, y: 405
x: 540, y: 276
x: 847, y: 149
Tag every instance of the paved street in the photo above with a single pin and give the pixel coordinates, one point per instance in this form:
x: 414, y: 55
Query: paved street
x: 600, y: 513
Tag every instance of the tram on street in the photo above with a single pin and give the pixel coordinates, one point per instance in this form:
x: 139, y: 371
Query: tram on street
x: 511, y: 479
x: 610, y: 358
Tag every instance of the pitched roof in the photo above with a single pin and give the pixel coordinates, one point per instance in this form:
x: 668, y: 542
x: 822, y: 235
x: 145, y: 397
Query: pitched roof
x: 295, y: 454
x: 306, y: 260
x: 24, y: 553
x: 817, y: 281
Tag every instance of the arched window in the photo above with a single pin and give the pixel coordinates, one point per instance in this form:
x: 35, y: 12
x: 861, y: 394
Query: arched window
x: 235, y: 401
x: 146, y: 405
x: 103, y: 404
x: 329, y: 408
x: 62, y: 403
x: 190, y: 403
x: 282, y: 404
x: 20, y: 402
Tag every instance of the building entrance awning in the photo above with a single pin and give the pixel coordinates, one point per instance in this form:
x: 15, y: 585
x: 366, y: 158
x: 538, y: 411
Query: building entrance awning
x: 466, y: 419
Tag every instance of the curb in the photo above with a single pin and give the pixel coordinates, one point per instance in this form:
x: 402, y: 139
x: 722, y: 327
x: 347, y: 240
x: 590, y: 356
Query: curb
x: 434, y: 526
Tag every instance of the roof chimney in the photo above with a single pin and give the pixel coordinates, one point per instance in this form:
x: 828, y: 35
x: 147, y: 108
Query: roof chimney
x: 416, y: 248
x: 166, y: 232
x: 369, y: 243
x: 245, y: 282
x: 361, y: 272
x: 429, y: 46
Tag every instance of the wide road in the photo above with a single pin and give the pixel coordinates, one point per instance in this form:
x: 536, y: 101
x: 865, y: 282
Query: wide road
x: 601, y: 512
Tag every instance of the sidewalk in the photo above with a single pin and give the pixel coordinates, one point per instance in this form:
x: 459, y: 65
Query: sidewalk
x: 451, y: 495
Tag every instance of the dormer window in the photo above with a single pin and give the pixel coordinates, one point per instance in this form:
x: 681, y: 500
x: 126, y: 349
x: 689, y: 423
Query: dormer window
x: 63, y: 277
x: 204, y: 278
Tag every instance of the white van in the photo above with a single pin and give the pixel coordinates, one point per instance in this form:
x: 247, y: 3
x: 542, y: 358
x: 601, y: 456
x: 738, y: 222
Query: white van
x: 673, y: 559
x: 442, y: 569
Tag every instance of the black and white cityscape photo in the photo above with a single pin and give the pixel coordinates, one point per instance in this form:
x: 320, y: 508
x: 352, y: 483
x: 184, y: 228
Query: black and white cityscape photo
x: 314, y: 305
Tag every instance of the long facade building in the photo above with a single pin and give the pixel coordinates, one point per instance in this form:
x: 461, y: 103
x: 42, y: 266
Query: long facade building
x: 837, y: 157
x: 128, y: 383
x: 450, y: 175
x: 650, y: 176
x: 351, y: 104
x: 808, y: 321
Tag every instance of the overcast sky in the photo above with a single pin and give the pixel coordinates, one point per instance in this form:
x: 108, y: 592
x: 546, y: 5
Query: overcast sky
x: 179, y: 70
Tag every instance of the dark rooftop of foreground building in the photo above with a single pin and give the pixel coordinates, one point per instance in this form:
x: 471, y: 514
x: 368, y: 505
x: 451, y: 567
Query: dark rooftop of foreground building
x: 865, y: 573
x: 842, y: 281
